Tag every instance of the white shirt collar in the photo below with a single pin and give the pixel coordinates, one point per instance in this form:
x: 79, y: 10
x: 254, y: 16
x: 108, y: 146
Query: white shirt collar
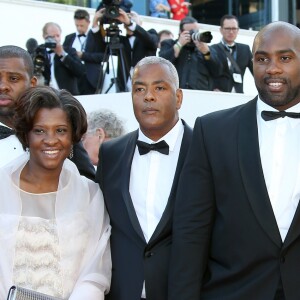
x: 261, y: 105
x: 1, y: 124
x: 170, y: 137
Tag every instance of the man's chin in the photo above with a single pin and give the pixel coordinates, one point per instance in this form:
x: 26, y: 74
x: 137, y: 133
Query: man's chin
x: 6, y: 111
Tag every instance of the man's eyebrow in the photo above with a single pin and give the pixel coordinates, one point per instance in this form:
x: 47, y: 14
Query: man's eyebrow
x: 154, y: 82
x: 278, y: 51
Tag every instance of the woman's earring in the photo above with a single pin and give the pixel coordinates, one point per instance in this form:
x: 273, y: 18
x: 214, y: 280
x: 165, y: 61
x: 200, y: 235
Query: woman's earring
x: 71, y: 153
x: 27, y: 150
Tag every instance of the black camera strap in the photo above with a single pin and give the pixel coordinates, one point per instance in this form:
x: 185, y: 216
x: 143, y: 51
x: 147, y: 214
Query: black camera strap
x: 236, y: 68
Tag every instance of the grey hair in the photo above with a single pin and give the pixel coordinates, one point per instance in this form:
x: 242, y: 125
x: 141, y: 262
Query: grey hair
x: 107, y: 120
x: 154, y: 60
x: 47, y: 25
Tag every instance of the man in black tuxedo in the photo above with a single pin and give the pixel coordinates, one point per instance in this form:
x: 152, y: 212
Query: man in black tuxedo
x: 90, y: 47
x: 16, y: 75
x: 234, y: 57
x: 62, y: 67
x: 236, y: 220
x: 139, y: 185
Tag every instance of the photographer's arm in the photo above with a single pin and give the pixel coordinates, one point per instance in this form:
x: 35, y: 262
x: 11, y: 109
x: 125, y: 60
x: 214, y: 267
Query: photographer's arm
x: 183, y: 39
x: 94, y: 49
x: 170, y: 50
x: 212, y: 62
x: 149, y: 38
x: 71, y: 61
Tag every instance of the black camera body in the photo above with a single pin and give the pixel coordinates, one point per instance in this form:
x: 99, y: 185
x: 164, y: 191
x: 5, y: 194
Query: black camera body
x: 39, y: 58
x: 112, y: 8
x: 50, y: 42
x: 40, y: 55
x: 204, y: 37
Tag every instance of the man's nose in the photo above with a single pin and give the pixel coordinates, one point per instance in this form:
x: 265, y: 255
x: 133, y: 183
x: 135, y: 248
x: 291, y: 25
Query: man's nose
x: 4, y: 85
x: 273, y: 67
x: 149, y: 96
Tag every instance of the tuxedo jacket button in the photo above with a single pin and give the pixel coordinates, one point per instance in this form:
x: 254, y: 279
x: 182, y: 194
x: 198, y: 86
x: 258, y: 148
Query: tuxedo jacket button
x: 282, y: 259
x: 148, y: 254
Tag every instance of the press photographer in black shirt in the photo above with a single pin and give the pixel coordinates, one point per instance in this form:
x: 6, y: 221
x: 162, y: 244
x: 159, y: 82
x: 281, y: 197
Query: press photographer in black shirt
x: 195, y: 61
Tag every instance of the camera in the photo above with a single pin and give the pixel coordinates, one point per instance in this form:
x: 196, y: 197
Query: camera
x: 50, y: 42
x: 112, y: 8
x: 204, y: 37
x: 113, y: 30
x: 39, y: 58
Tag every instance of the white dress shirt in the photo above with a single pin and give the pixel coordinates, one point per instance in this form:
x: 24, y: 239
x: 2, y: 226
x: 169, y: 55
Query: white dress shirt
x: 151, y: 180
x: 79, y: 42
x: 279, y: 143
x: 11, y: 148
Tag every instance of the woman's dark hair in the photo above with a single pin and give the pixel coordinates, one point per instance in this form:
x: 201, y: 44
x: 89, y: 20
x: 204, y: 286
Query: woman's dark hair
x: 35, y: 98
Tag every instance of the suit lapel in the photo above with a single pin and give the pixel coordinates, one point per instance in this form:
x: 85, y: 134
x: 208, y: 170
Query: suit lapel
x: 252, y: 173
x: 167, y: 214
x: 125, y: 175
x: 293, y: 232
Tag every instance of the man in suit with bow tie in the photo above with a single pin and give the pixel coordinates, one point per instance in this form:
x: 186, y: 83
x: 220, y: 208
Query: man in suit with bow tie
x: 234, y: 58
x: 16, y: 75
x: 236, y: 226
x: 138, y: 174
x: 90, y: 47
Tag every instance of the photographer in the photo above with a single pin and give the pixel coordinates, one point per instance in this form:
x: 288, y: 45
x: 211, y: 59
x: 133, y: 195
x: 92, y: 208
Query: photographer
x: 137, y: 44
x: 59, y: 65
x: 90, y: 48
x: 195, y: 62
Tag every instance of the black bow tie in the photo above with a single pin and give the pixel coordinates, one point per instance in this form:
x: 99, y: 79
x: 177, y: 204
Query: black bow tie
x: 272, y: 115
x: 161, y: 147
x: 80, y: 35
x: 5, y: 132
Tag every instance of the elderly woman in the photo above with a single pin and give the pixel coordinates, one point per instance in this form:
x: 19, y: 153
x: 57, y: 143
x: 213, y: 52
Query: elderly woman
x: 54, y: 229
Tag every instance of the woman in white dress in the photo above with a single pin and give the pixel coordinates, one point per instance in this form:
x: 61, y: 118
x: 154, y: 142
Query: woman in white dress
x: 54, y: 228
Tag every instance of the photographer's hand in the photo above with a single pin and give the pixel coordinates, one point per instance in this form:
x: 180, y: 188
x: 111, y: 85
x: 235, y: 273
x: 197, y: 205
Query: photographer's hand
x: 98, y: 17
x: 184, y: 38
x: 123, y: 17
x: 203, y: 48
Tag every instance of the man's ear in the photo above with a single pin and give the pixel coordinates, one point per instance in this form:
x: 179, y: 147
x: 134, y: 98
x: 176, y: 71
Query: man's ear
x: 100, y: 132
x: 33, y: 81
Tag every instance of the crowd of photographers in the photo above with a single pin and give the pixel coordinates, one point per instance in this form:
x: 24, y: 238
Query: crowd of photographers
x: 81, y: 62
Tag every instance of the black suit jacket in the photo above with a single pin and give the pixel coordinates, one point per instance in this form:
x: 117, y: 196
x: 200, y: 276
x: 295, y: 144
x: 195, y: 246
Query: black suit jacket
x: 92, y: 57
x: 135, y: 261
x: 145, y: 44
x: 82, y: 161
x: 224, y: 82
x: 66, y: 71
x: 226, y: 242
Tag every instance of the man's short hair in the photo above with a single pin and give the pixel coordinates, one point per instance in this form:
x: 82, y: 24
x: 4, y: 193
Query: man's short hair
x: 187, y: 20
x: 107, y: 120
x: 166, y: 32
x: 157, y: 60
x: 81, y: 14
x: 11, y: 51
x: 228, y: 17
x: 49, y: 24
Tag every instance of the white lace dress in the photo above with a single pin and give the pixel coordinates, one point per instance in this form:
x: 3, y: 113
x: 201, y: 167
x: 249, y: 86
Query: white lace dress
x: 55, y: 243
x: 37, y: 255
